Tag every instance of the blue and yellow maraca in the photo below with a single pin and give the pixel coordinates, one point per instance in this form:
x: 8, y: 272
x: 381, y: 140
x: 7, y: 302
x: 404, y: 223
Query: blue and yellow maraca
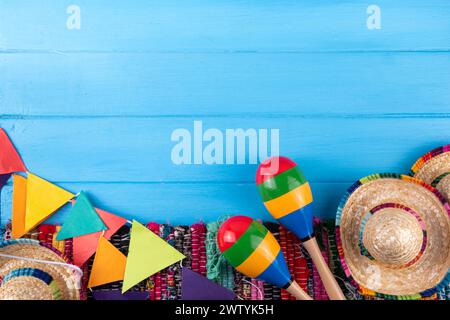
x: 253, y: 250
x: 287, y: 196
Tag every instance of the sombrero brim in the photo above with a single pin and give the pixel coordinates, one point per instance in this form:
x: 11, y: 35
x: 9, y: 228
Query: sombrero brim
x: 434, y: 169
x: 29, y: 284
x: 421, y: 276
x: 64, y: 278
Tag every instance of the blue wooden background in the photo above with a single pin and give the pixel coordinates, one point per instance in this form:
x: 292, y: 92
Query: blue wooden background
x: 93, y: 109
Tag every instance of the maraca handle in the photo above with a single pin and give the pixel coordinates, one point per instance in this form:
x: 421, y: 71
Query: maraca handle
x: 331, y: 286
x: 297, y: 292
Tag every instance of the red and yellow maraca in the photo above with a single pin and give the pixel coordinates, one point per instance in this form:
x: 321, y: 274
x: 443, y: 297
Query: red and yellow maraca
x: 253, y: 250
x: 287, y: 196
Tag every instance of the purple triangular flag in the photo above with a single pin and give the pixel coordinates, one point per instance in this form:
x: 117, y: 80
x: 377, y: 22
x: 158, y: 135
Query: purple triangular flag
x: 196, y: 287
x: 117, y: 295
x: 3, y: 179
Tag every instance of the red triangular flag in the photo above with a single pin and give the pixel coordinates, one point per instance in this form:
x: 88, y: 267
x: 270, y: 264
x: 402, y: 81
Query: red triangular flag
x: 84, y: 246
x: 10, y: 160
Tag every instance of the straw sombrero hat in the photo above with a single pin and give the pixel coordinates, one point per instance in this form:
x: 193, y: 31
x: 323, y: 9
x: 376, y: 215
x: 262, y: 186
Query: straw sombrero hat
x: 393, y: 236
x: 30, y: 270
x: 434, y: 168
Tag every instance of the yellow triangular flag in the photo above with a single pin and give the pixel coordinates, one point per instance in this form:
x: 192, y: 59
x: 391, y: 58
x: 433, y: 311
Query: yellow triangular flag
x: 19, y: 204
x: 109, y: 264
x: 43, y: 199
x: 147, y: 255
x: 60, y: 245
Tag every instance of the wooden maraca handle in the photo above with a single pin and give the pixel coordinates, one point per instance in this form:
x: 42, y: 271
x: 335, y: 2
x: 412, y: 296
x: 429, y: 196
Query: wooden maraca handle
x: 331, y: 286
x: 297, y: 292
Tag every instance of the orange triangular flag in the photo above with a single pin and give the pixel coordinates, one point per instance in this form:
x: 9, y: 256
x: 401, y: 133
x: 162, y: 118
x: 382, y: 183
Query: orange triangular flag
x: 43, y: 199
x: 19, y: 204
x: 109, y: 264
x: 10, y: 160
x: 84, y: 246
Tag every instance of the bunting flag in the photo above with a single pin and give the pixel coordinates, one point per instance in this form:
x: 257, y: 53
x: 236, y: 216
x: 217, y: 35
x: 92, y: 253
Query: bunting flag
x: 10, y: 160
x: 3, y: 179
x: 19, y: 204
x: 109, y: 264
x: 117, y: 295
x: 43, y: 199
x: 84, y: 246
x: 194, y: 286
x: 147, y: 254
x: 60, y: 245
x: 82, y: 219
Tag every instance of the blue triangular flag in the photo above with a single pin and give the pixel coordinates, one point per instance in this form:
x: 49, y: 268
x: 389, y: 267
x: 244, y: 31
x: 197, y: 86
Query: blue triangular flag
x: 82, y: 219
x: 194, y: 286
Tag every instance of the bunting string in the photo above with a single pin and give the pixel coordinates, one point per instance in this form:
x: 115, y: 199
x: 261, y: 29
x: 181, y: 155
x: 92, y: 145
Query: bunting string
x: 57, y: 263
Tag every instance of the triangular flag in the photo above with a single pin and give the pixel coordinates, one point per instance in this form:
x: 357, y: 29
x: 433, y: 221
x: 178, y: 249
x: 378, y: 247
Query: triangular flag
x: 3, y: 179
x: 43, y: 199
x: 82, y: 219
x: 84, y: 246
x: 194, y: 286
x: 10, y: 160
x: 19, y: 204
x: 147, y: 255
x: 60, y: 245
x: 109, y: 264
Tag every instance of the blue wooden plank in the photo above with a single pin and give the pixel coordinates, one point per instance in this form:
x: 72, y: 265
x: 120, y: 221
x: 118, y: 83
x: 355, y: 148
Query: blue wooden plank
x: 201, y: 25
x: 215, y: 84
x: 139, y: 149
x: 182, y: 203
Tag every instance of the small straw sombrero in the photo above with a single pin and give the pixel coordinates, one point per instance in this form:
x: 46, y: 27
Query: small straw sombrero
x: 393, y: 236
x: 434, y: 169
x: 30, y: 270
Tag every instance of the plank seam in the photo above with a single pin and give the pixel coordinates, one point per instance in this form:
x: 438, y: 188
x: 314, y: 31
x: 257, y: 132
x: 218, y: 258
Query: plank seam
x: 411, y: 115
x: 223, y: 51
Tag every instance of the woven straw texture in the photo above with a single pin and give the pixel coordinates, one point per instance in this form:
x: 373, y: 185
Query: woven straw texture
x: 434, y: 169
x: 394, y: 237
x: 27, y: 278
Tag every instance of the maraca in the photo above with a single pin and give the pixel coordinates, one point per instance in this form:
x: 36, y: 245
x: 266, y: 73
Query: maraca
x: 287, y: 196
x: 253, y: 250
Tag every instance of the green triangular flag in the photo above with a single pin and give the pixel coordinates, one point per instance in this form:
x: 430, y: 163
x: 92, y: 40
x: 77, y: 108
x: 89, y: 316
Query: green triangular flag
x: 82, y: 219
x: 147, y: 255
